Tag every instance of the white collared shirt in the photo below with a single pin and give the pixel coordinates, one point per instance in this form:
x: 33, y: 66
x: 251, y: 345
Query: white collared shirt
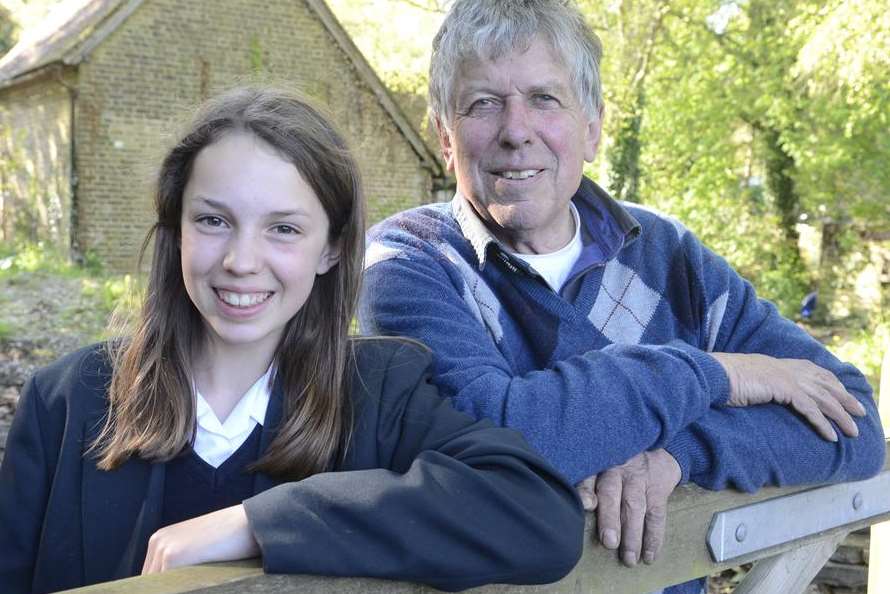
x: 215, y: 441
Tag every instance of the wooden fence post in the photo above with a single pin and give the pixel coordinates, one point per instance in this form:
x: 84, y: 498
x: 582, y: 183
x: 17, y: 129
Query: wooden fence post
x: 879, y: 549
x: 792, y: 571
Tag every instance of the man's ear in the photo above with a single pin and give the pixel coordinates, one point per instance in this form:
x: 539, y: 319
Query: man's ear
x: 445, y: 143
x: 594, y: 134
x: 329, y: 257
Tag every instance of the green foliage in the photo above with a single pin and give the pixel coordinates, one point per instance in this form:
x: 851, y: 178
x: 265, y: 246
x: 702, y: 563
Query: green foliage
x: 255, y: 51
x: 395, y: 36
x: 8, y: 30
x: 864, y: 348
x: 120, y: 294
x: 16, y: 258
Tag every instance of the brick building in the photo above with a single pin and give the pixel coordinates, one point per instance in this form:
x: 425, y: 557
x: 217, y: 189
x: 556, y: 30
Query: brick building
x: 89, y: 101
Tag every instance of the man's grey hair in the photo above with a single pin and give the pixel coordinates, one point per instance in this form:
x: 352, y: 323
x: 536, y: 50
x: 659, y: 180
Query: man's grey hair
x: 490, y: 29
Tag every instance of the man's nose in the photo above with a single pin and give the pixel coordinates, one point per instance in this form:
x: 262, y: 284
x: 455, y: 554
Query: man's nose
x: 516, y: 124
x: 243, y: 254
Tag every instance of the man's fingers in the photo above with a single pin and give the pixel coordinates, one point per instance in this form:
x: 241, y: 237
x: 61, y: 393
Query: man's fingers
x: 587, y: 493
x: 840, y: 394
x: 608, y: 508
x: 633, y: 514
x: 833, y: 409
x: 808, y: 409
x: 653, y: 533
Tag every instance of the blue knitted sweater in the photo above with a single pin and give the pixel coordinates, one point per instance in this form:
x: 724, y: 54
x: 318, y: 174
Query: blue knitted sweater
x: 617, y: 362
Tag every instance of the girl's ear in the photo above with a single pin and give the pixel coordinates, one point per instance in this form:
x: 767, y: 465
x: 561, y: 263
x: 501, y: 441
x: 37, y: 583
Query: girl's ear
x: 329, y: 257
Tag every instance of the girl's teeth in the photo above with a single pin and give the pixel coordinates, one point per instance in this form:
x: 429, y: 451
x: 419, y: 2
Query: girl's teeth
x: 243, y: 299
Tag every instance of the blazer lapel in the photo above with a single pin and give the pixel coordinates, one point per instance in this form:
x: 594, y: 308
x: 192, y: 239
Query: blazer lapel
x: 121, y: 510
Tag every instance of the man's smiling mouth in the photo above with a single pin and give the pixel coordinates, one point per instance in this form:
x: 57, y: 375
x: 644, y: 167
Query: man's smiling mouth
x: 518, y: 174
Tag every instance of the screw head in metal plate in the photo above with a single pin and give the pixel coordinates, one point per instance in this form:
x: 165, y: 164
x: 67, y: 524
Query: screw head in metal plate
x: 857, y: 500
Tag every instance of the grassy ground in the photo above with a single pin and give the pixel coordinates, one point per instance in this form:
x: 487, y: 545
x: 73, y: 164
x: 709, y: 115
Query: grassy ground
x: 53, y: 304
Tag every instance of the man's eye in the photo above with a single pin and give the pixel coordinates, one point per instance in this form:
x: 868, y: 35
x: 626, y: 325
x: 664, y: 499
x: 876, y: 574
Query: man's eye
x: 483, y: 104
x: 546, y: 99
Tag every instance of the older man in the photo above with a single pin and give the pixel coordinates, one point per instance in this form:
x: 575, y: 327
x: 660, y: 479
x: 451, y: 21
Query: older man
x: 624, y: 349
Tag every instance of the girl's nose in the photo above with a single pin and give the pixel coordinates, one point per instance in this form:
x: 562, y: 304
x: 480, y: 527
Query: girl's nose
x: 243, y: 255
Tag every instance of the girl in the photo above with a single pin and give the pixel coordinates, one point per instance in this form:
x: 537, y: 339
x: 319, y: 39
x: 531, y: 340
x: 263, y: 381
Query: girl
x: 240, y: 420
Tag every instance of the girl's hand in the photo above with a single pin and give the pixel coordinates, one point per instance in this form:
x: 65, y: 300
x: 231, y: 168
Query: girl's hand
x: 222, y: 535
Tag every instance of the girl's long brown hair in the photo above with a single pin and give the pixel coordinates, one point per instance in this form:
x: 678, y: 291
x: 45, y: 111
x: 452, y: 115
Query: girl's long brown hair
x: 151, y: 410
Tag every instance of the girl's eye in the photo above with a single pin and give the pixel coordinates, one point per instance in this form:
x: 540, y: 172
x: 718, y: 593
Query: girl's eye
x: 211, y: 221
x: 285, y: 230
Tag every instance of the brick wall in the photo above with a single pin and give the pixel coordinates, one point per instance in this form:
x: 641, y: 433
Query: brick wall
x: 141, y: 82
x: 35, y: 196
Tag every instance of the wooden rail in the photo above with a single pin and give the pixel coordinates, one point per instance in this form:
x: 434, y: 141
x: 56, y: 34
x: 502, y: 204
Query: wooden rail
x: 783, y: 569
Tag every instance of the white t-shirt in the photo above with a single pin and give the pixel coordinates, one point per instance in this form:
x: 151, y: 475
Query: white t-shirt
x: 215, y: 441
x: 556, y: 266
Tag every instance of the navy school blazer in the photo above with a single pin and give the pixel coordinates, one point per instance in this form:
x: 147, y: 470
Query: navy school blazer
x: 424, y: 494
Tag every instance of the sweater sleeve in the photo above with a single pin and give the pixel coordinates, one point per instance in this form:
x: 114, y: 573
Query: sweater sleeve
x: 747, y: 448
x: 587, y: 413
x: 456, y: 503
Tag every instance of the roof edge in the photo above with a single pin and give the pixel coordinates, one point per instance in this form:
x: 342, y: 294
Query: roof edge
x: 108, y: 25
x: 428, y: 159
x: 30, y: 75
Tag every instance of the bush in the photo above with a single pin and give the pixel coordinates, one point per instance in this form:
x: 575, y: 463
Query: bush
x: 864, y: 348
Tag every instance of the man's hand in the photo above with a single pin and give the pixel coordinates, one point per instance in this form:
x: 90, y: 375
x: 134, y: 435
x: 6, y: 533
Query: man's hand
x: 809, y: 389
x: 631, y: 501
x: 223, y: 535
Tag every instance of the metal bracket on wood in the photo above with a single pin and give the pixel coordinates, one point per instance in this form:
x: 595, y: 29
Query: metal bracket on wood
x: 761, y: 525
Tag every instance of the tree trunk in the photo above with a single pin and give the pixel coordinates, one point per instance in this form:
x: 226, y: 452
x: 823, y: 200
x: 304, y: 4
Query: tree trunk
x: 779, y: 167
x: 829, y: 270
x: 624, y: 154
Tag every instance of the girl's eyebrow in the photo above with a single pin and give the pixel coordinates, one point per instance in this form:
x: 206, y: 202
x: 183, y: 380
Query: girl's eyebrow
x: 212, y: 203
x: 297, y: 212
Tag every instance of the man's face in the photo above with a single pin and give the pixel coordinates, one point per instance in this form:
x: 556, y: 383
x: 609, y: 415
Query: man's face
x: 517, y: 143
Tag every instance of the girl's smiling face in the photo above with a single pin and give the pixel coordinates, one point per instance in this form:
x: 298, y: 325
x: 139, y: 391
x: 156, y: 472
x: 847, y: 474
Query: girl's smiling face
x: 254, y: 237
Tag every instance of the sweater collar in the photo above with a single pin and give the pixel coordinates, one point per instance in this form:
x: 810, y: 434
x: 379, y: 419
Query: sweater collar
x: 589, y: 197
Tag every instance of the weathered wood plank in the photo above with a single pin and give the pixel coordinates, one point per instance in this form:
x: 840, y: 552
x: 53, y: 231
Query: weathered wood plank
x: 186, y: 579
